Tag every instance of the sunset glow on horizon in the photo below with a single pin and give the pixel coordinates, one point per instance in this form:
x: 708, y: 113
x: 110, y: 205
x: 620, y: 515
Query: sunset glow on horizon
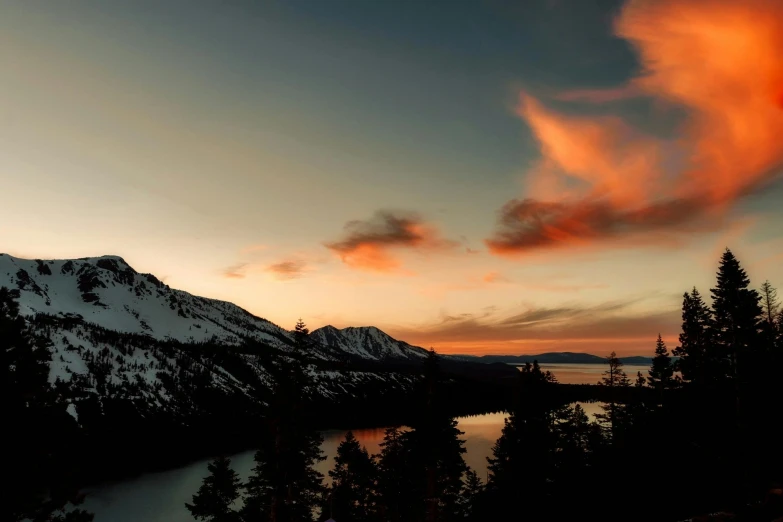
x: 460, y: 178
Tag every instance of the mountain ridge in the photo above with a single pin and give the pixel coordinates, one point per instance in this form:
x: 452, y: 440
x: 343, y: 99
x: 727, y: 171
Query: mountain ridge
x: 113, y: 331
x: 368, y: 342
x: 562, y: 358
x: 164, y: 313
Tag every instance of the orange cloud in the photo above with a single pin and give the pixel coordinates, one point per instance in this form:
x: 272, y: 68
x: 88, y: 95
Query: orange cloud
x: 235, y: 271
x: 601, y: 180
x: 495, y: 277
x: 286, y: 270
x: 373, y: 244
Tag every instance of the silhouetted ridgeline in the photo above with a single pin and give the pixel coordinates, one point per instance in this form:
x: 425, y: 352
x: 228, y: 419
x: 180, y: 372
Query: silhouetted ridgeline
x: 559, y: 358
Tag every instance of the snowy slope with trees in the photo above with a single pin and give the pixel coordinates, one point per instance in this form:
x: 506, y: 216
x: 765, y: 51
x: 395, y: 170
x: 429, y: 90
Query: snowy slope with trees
x: 117, y: 335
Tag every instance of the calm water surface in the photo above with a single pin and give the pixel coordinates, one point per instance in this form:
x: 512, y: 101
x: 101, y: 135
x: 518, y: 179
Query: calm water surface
x: 161, y: 497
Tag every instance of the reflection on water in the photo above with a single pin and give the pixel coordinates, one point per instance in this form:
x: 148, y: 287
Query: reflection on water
x: 161, y: 497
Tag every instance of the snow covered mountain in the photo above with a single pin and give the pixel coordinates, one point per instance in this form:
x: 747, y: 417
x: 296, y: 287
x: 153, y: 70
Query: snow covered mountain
x: 107, y: 292
x: 367, y: 342
x: 115, y: 334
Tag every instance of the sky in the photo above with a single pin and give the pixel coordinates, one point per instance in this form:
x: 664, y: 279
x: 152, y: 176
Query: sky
x: 483, y: 176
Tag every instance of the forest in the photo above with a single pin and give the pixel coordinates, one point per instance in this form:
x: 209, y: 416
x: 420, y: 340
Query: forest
x: 697, y: 434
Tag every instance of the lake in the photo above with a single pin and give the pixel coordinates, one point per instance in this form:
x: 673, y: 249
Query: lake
x: 161, y: 497
x: 588, y: 373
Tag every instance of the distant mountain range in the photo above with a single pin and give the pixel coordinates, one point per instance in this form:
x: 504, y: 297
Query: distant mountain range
x: 559, y: 358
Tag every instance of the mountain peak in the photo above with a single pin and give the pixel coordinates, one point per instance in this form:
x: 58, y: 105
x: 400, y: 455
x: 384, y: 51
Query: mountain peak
x: 368, y: 342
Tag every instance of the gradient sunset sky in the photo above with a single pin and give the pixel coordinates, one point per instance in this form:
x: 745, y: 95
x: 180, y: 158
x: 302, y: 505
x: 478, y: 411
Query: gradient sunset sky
x: 483, y: 176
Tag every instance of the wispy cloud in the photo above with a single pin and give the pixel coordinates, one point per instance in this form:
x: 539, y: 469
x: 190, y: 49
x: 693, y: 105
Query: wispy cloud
x: 252, y: 249
x: 374, y: 244
x: 558, y: 326
x: 602, y: 181
x: 495, y: 277
x: 237, y: 271
x: 287, y: 270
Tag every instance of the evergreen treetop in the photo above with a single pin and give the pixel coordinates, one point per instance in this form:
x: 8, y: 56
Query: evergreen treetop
x: 737, y: 314
x: 215, y: 498
x: 661, y: 371
x: 696, y: 351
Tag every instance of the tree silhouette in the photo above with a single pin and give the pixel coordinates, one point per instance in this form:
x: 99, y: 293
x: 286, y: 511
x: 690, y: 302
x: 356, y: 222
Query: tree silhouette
x: 470, y: 497
x: 770, y: 313
x: 215, y: 498
x: 641, y: 380
x: 354, y: 475
x: 661, y: 371
x: 614, y: 416
x: 396, y: 489
x: 435, y: 443
x: 284, y: 485
x: 695, y: 351
x: 523, y: 458
x: 769, y: 303
x: 736, y: 312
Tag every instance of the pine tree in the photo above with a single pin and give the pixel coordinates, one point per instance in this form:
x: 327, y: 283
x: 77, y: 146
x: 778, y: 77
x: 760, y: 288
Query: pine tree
x: 573, y: 444
x: 640, y: 381
x: 434, y: 441
x: 215, y: 498
x: 260, y: 487
x: 615, y: 415
x: 523, y: 458
x: 737, y: 314
x: 284, y: 485
x: 396, y: 489
x: 574, y: 464
x: 769, y: 324
x: 769, y: 303
x: 470, y: 497
x: 696, y: 347
x: 661, y: 371
x: 353, y: 477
